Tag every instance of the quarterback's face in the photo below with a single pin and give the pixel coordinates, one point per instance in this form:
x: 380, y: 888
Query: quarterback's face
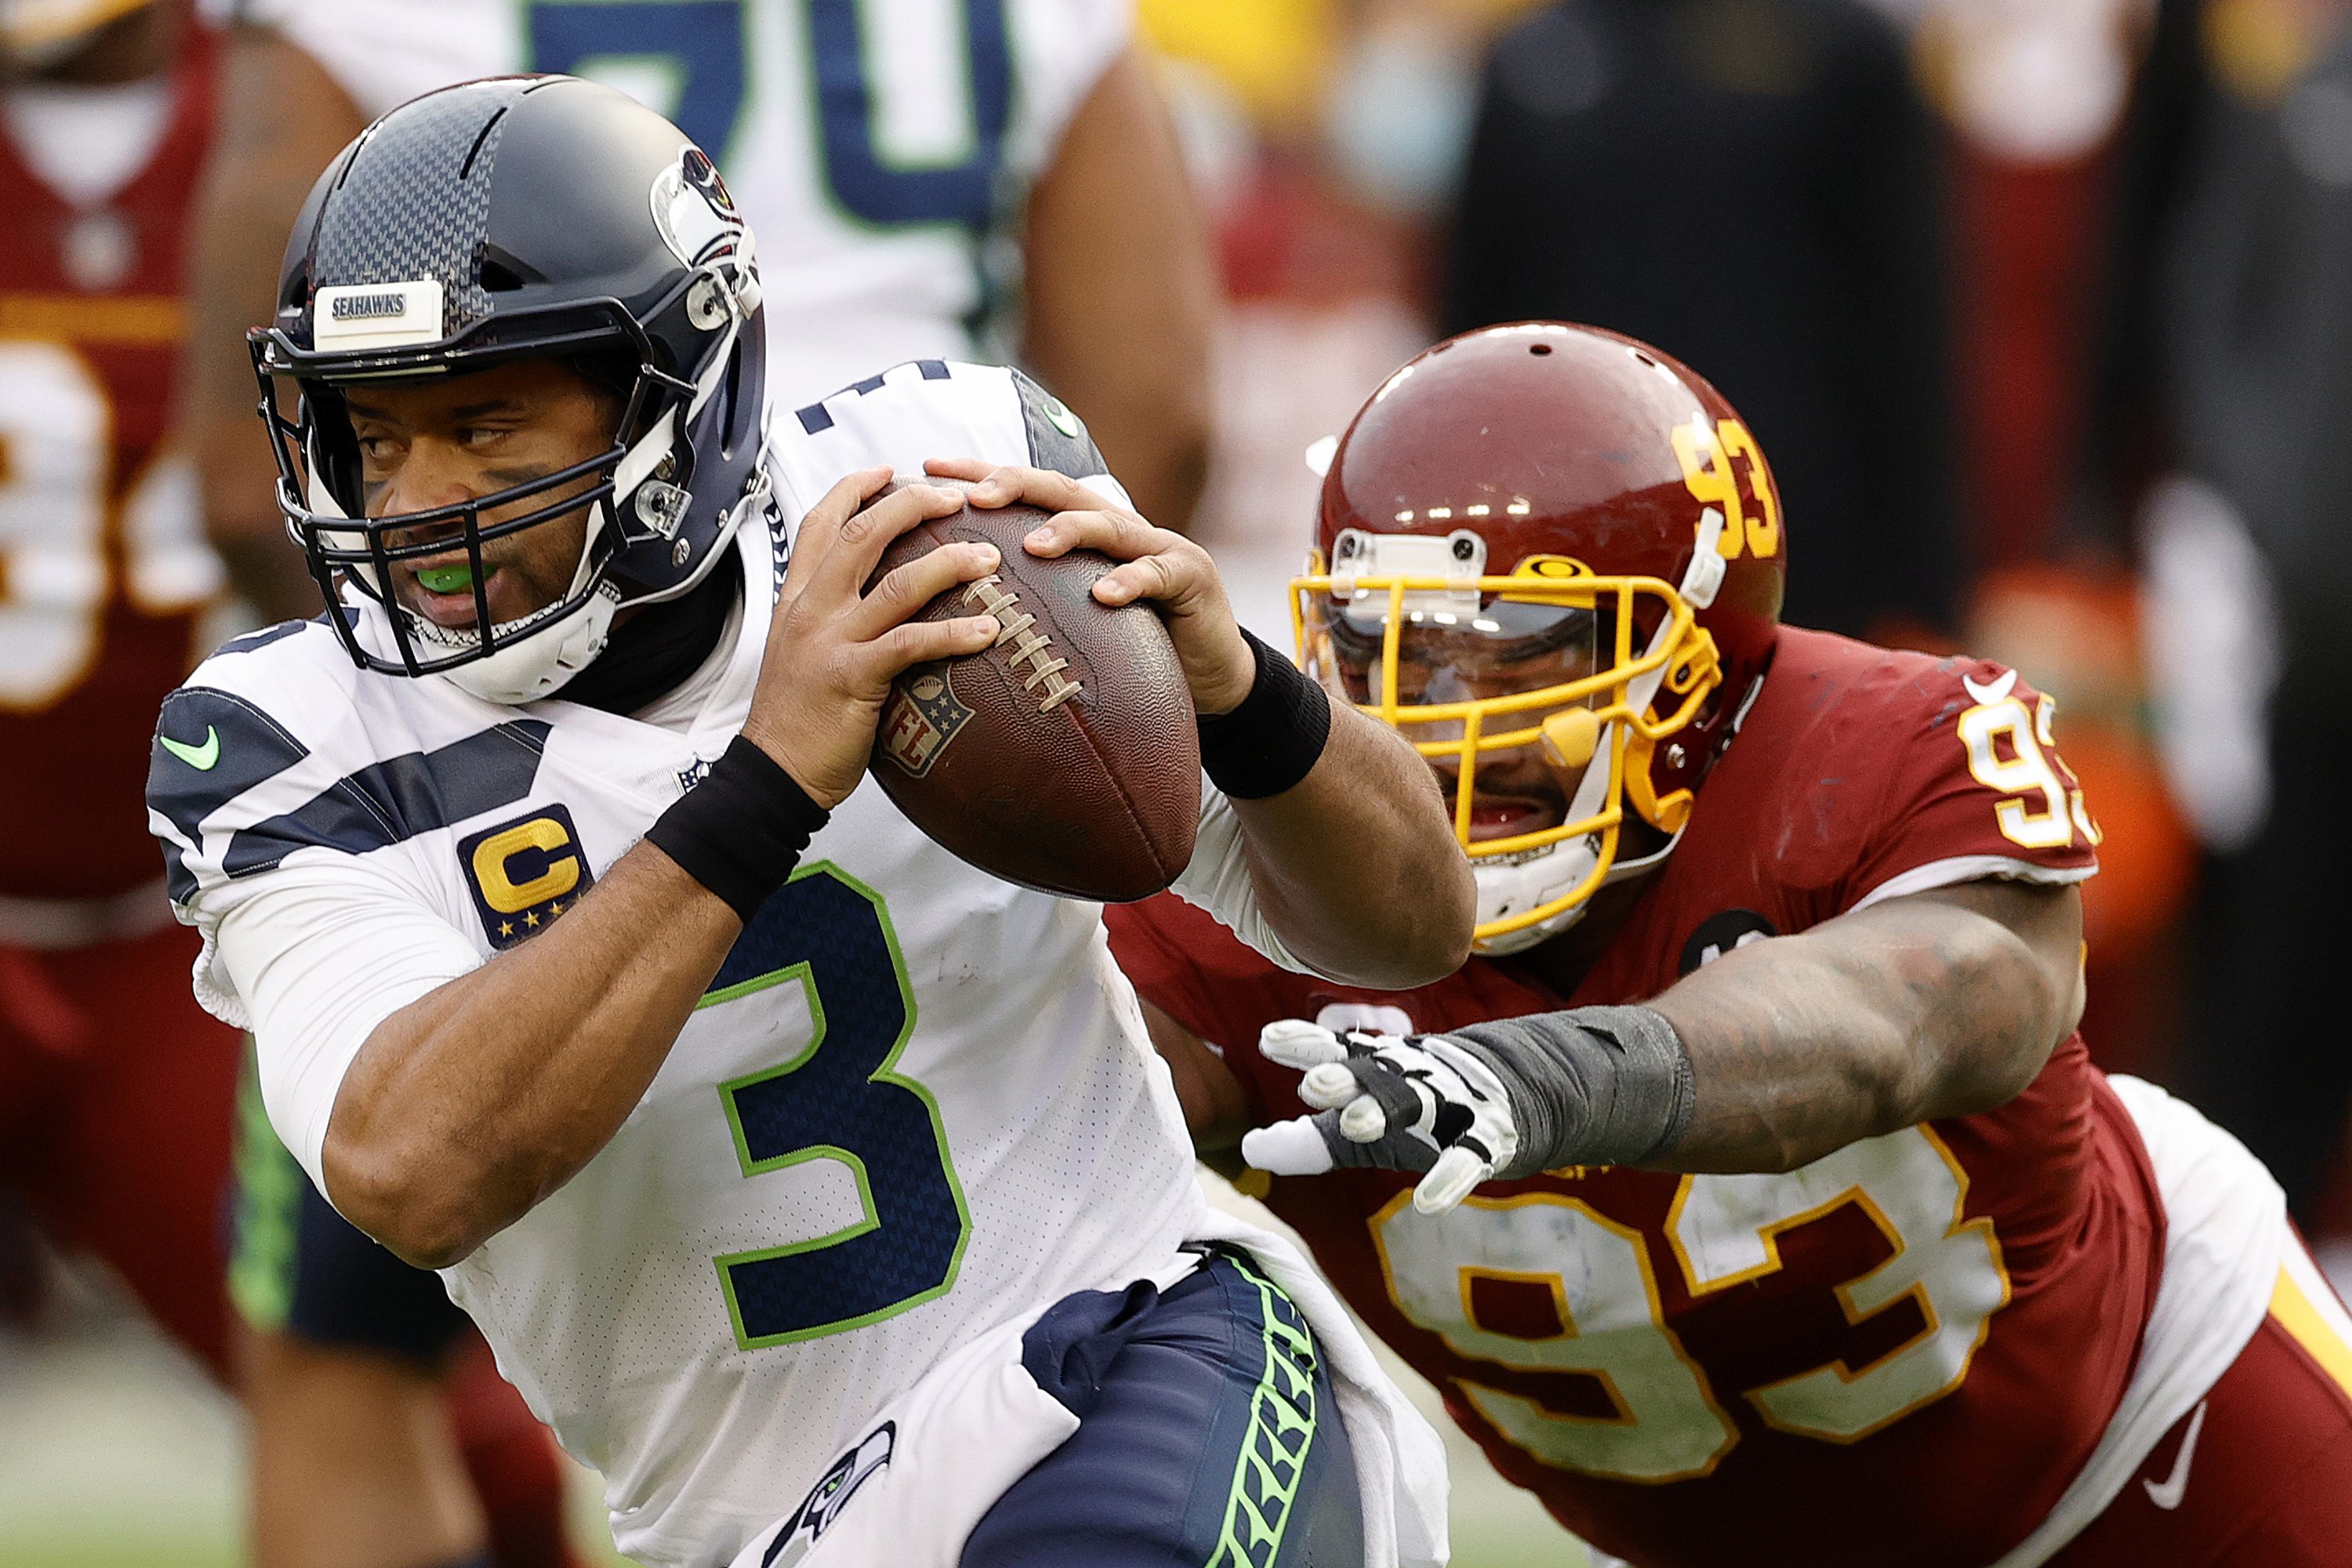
x: 443, y: 442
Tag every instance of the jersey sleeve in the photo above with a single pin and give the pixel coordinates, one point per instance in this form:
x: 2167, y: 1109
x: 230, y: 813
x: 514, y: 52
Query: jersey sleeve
x: 289, y: 867
x: 317, y: 956
x: 934, y: 408
x: 383, y: 53
x: 1186, y: 964
x: 1217, y: 880
x: 1978, y: 789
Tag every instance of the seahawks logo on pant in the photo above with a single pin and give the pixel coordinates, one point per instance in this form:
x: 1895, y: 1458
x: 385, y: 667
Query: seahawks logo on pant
x: 826, y: 1499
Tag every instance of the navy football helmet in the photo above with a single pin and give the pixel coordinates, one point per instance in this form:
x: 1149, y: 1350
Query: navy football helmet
x: 521, y: 217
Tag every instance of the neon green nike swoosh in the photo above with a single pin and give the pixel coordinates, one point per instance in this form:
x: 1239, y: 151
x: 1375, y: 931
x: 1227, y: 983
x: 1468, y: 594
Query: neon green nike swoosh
x: 200, y: 758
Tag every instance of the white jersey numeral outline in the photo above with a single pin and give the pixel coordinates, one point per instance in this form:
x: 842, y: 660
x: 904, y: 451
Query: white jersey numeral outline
x: 56, y: 444
x: 1722, y: 1230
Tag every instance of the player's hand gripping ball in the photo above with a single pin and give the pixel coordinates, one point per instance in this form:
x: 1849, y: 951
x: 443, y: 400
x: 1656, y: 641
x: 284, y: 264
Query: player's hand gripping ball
x: 1415, y: 1102
x: 1065, y: 757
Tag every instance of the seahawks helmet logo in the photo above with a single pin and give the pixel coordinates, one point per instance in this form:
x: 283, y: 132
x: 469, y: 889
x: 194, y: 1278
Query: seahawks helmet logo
x: 696, y: 217
x: 826, y: 1499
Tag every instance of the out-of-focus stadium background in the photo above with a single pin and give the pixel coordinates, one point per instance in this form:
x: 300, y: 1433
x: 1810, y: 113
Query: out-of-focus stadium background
x: 2040, y: 308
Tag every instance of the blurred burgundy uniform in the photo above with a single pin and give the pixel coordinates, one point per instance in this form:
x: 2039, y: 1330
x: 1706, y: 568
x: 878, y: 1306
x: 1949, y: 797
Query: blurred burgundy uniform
x: 1911, y: 1348
x: 116, y: 1090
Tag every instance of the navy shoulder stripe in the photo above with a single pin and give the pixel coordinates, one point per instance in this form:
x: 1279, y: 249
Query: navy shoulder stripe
x: 252, y: 641
x: 1057, y: 439
x: 816, y: 418
x: 210, y: 747
x: 390, y: 802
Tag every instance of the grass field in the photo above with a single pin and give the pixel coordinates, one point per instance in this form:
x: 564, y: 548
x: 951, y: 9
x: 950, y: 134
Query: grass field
x: 115, y: 1453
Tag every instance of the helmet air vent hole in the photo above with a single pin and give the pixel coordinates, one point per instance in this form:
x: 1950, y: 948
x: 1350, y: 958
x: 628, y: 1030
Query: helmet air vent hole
x: 466, y: 170
x: 1538, y: 348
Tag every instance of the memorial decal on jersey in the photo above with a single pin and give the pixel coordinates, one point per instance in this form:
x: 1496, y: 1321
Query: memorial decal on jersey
x: 1721, y: 933
x: 524, y: 872
x: 825, y: 1502
x: 920, y: 719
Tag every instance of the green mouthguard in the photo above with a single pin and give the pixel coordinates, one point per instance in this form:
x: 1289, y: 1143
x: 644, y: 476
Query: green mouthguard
x: 446, y: 579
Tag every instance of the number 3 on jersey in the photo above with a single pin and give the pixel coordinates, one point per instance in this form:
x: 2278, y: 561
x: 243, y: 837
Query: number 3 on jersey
x: 838, y: 1100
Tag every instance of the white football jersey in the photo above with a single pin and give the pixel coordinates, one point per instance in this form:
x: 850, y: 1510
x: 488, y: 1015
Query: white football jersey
x: 873, y: 145
x: 914, y: 1104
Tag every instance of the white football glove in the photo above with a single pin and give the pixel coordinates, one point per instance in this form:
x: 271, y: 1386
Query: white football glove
x: 1415, y: 1102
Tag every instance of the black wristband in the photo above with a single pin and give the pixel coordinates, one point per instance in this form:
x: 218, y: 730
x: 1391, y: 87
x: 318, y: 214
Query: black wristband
x: 1275, y: 738
x: 741, y: 830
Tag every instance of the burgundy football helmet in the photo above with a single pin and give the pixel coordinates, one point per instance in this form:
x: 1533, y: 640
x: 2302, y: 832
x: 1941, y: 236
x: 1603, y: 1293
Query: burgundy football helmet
x: 1552, y: 558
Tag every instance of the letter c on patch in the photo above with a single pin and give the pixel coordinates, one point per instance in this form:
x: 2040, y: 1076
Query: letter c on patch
x: 535, y: 843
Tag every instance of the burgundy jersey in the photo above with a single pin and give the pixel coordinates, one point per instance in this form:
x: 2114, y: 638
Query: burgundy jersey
x: 103, y: 568
x: 1905, y: 1348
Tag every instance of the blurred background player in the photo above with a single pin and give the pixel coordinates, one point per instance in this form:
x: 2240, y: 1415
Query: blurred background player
x: 912, y: 203
x: 115, y: 1094
x: 1851, y: 1216
x: 1755, y: 186
x: 115, y: 1089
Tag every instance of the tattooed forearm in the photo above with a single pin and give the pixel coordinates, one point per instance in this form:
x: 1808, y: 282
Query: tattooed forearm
x: 1937, y: 1004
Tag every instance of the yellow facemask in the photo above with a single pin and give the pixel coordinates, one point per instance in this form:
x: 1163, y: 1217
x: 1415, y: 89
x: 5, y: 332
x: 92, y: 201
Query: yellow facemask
x: 1618, y: 714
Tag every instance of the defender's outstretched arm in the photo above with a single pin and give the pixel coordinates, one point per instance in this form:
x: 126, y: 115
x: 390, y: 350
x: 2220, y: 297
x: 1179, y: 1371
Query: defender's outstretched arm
x: 1941, y: 1004
x: 1936, y: 1005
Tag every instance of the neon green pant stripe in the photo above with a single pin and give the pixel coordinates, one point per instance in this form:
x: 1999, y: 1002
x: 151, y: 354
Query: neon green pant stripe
x: 268, y: 1214
x: 1283, y: 1417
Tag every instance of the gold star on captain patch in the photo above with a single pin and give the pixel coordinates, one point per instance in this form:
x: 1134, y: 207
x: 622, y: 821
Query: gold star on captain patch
x: 554, y: 908
x: 531, y: 920
x: 505, y: 928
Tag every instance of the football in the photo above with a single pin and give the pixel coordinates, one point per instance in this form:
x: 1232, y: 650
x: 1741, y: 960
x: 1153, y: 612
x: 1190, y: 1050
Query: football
x: 1063, y: 757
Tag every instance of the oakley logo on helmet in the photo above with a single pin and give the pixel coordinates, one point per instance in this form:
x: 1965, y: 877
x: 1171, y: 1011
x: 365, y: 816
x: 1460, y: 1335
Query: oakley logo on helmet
x: 376, y: 315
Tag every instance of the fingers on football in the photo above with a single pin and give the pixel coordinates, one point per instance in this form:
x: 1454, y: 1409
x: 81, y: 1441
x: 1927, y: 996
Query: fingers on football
x: 905, y: 590
x: 971, y: 471
x: 1293, y: 1148
x: 813, y: 540
x: 857, y: 543
x: 1093, y: 525
x: 912, y: 642
x: 1296, y: 1043
x: 1458, y: 1172
x: 1003, y: 486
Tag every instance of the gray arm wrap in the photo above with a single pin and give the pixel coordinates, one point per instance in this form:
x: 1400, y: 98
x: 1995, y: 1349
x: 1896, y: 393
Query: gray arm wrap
x: 1592, y: 1086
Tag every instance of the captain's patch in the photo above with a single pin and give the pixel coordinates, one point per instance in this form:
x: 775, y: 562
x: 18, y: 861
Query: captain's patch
x: 524, y: 873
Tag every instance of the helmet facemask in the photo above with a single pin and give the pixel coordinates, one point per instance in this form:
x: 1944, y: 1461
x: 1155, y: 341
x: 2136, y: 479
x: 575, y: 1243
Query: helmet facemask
x: 1538, y: 698
x: 625, y: 490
